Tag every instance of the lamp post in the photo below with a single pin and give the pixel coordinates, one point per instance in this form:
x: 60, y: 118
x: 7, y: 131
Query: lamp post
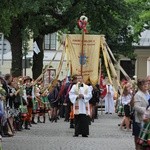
x: 25, y: 48
x: 1, y: 50
x: 133, y: 61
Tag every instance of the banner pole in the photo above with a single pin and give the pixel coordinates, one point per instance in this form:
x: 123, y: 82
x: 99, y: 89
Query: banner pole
x: 100, y: 72
x: 82, y: 52
x: 82, y: 22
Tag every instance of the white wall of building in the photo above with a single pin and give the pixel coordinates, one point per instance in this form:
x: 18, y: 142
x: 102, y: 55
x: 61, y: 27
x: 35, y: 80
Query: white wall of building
x: 148, y: 66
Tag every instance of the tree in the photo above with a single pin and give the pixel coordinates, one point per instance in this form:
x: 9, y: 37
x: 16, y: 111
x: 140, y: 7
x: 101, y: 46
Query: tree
x: 139, y: 16
x: 55, y: 15
x: 111, y: 18
x: 120, y: 21
x: 40, y: 18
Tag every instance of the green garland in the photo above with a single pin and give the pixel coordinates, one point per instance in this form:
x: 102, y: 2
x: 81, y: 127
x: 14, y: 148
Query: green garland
x: 2, y: 91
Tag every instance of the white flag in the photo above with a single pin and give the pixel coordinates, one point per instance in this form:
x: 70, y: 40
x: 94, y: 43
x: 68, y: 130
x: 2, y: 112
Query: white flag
x: 36, y: 48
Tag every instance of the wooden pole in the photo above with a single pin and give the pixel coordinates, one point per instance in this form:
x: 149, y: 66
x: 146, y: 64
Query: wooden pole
x: 82, y: 52
x: 100, y: 72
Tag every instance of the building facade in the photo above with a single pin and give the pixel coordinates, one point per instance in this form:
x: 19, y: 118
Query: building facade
x: 141, y: 68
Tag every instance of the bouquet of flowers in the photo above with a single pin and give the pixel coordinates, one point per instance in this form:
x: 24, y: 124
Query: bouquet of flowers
x: 2, y: 92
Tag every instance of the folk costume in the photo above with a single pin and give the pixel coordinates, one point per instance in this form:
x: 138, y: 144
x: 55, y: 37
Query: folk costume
x: 45, y: 105
x: 81, y: 108
x: 29, y: 103
x: 29, y: 97
x: 109, y: 100
x: 39, y: 105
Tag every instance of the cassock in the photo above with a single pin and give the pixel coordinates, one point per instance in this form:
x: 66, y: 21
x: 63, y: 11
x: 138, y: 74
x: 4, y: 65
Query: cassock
x: 81, y: 107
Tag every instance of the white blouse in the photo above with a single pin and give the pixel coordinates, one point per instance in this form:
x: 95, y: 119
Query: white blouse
x: 126, y: 99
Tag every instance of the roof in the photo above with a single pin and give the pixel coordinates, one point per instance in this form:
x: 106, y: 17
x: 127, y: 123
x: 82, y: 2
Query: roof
x: 144, y: 39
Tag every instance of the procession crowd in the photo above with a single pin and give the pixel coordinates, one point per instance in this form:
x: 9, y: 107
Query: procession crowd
x: 24, y: 102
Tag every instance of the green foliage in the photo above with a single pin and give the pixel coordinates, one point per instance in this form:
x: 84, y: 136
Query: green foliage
x: 120, y: 21
x: 140, y: 15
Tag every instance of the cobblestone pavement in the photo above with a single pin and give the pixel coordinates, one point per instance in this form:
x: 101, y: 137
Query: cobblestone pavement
x: 104, y: 135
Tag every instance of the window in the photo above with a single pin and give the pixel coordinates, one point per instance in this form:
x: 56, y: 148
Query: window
x: 50, y: 41
x: 128, y: 68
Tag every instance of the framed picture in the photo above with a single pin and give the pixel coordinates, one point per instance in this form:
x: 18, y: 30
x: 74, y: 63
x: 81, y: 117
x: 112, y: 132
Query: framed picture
x: 49, y: 76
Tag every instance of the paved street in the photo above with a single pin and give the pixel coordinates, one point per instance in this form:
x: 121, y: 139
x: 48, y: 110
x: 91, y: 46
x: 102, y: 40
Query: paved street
x: 104, y: 135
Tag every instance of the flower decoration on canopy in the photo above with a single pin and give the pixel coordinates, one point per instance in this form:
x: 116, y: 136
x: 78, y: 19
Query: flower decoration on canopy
x: 82, y: 23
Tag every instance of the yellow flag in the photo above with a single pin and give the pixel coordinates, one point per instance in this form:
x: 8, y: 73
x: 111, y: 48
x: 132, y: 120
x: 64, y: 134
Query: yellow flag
x: 89, y: 59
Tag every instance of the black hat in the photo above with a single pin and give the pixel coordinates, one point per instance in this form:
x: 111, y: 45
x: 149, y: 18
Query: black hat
x: 27, y: 78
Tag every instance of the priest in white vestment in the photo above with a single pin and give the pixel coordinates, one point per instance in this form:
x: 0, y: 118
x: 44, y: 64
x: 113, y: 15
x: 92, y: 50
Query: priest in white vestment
x: 79, y: 95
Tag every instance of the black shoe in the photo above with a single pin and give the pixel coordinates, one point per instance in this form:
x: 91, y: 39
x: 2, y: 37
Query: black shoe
x: 106, y: 113
x: 19, y: 129
x: 7, y: 135
x: 4, y: 135
x: 75, y: 135
x: 10, y: 135
x: 72, y: 126
x: 84, y: 136
x: 110, y: 113
x: 33, y: 122
x: 89, y: 122
x: 39, y: 121
x: 27, y: 128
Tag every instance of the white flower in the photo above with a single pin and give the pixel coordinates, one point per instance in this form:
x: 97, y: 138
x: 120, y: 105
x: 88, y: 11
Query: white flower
x: 135, y: 77
x: 84, y: 18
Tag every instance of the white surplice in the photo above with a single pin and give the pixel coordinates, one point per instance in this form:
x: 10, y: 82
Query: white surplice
x: 80, y: 106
